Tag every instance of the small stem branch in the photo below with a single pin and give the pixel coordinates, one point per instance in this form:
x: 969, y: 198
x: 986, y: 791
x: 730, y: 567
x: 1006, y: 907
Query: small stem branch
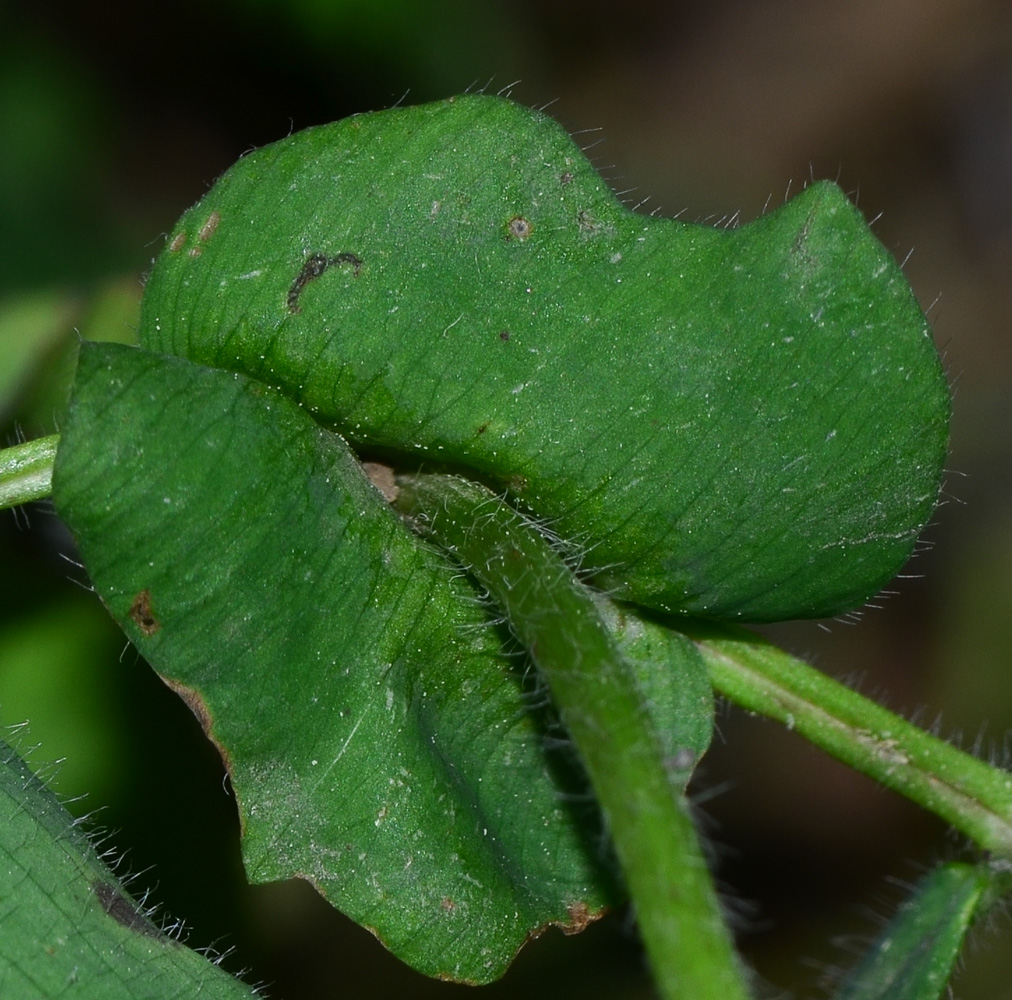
x: 26, y: 471
x: 595, y: 691
x: 967, y: 793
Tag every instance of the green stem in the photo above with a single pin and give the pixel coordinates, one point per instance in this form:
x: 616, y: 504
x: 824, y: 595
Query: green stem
x: 600, y: 704
x: 967, y: 793
x: 26, y: 471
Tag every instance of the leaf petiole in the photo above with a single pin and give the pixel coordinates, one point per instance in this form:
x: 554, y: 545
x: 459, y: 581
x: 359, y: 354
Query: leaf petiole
x: 26, y: 471
x: 595, y: 692
x: 969, y: 794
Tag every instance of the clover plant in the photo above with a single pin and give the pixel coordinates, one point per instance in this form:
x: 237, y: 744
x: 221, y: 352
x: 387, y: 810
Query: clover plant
x: 440, y: 487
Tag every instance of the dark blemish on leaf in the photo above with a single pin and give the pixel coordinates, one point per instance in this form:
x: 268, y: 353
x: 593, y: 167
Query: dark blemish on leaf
x: 565, y: 178
x: 482, y: 429
x: 448, y: 904
x: 316, y: 264
x: 518, y: 228
x: 580, y: 916
x: 516, y: 484
x: 348, y: 258
x: 208, y: 228
x: 122, y: 910
x: 142, y: 615
x: 504, y: 335
x: 195, y: 251
x: 177, y: 242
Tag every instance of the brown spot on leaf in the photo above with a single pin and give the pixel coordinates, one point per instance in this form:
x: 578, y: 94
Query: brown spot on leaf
x: 581, y: 916
x: 518, y: 228
x: 142, y: 615
x: 566, y: 177
x: 504, y: 335
x: 194, y: 251
x: 207, y: 230
x: 516, y: 483
x: 177, y: 242
x: 482, y: 429
x: 448, y: 904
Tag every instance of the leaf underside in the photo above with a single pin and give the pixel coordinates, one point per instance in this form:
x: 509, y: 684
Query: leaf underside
x: 380, y: 743
x: 745, y: 424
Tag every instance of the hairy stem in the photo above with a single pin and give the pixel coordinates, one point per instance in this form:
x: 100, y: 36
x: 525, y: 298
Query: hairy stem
x: 599, y: 702
x: 967, y: 793
x: 26, y: 471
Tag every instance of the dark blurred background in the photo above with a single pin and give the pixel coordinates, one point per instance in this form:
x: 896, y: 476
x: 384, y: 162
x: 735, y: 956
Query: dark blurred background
x: 115, y: 117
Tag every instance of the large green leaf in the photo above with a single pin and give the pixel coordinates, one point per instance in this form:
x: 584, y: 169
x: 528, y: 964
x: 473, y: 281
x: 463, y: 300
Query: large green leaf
x: 380, y: 743
x: 744, y: 424
x: 67, y: 925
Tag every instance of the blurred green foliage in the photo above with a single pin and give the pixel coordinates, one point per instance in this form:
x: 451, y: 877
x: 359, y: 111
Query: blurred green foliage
x: 56, y: 678
x: 54, y: 125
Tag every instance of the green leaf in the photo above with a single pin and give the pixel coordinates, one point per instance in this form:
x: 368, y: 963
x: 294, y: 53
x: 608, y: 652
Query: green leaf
x: 69, y: 928
x: 380, y: 743
x: 740, y: 424
x: 915, y: 955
